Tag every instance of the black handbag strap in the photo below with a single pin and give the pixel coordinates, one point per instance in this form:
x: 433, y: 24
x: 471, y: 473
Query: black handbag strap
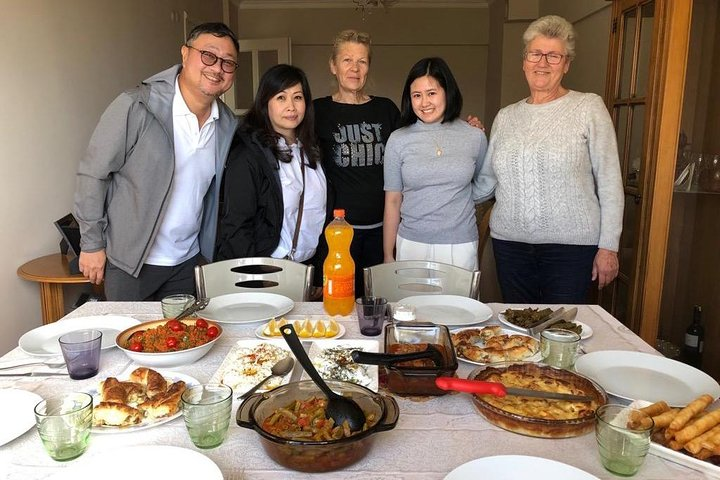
x: 291, y: 254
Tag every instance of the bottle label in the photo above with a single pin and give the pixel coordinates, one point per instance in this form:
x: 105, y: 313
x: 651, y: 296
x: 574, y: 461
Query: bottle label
x: 340, y: 286
x: 692, y: 341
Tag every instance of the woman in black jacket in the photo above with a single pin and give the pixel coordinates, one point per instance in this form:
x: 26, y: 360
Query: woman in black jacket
x: 273, y: 167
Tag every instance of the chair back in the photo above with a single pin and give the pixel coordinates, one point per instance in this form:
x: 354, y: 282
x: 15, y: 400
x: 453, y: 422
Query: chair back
x: 398, y: 280
x: 255, y: 274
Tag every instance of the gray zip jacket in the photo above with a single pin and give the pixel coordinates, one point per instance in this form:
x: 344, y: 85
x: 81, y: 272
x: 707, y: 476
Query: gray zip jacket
x: 124, y: 179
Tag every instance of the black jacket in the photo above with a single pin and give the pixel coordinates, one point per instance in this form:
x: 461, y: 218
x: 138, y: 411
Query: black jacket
x: 252, y: 213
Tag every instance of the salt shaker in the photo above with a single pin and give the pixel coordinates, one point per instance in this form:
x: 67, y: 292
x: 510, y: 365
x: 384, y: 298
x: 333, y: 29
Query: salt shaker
x: 404, y: 313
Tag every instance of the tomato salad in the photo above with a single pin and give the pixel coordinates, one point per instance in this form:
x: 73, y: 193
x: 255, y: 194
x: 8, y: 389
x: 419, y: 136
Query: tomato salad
x: 172, y: 336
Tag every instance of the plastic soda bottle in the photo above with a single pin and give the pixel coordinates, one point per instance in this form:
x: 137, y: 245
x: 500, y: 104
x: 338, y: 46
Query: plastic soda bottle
x: 339, y: 267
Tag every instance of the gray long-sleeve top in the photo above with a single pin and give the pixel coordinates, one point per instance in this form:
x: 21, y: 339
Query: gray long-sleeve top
x: 434, y: 167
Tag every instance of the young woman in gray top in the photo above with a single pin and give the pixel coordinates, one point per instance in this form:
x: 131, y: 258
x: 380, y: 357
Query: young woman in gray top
x: 430, y: 166
x: 553, y: 158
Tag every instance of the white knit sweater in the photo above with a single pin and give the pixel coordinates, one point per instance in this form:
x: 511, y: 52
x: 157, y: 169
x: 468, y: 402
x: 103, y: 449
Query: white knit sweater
x: 557, y: 173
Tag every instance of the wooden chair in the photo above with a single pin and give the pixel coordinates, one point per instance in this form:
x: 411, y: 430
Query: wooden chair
x: 256, y: 274
x: 398, y: 280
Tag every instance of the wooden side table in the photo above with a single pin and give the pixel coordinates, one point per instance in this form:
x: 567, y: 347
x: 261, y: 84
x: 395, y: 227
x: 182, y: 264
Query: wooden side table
x: 51, y: 272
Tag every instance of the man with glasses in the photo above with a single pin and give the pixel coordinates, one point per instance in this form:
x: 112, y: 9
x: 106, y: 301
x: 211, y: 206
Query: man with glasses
x: 148, y: 186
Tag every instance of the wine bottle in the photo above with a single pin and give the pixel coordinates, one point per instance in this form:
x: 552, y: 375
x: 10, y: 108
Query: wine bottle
x: 694, y: 337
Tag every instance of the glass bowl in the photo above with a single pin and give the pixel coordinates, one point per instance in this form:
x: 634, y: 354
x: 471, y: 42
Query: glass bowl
x: 539, y: 424
x: 165, y: 359
x: 406, y: 380
x: 317, y: 456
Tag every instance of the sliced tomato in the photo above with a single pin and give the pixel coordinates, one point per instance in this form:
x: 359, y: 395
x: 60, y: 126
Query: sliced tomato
x: 200, y: 323
x: 213, y: 331
x: 136, y: 347
x: 171, y: 342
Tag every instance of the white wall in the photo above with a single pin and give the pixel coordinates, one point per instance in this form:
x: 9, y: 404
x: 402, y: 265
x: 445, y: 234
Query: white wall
x: 62, y: 63
x: 401, y: 36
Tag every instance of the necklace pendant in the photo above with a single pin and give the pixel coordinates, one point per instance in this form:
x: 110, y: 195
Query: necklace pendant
x: 438, y: 152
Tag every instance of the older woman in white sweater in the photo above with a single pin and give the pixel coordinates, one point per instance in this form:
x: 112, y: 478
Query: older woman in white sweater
x: 553, y: 161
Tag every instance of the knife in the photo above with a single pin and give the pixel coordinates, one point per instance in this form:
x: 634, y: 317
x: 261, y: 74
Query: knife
x: 34, y: 374
x: 500, y: 390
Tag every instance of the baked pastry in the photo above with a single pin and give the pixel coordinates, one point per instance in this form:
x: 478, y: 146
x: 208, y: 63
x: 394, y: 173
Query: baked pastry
x: 153, y: 382
x: 497, y: 347
x: 539, y: 417
x: 135, y: 392
x: 116, y: 414
x: 112, y: 391
x: 164, y: 404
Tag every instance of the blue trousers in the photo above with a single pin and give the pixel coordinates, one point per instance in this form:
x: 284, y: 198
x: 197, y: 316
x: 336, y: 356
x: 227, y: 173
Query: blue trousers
x: 543, y: 273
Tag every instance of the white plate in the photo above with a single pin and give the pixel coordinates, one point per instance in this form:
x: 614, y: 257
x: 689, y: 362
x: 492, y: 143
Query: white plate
x: 506, y: 331
x: 313, y: 318
x: 370, y: 372
x: 512, y: 467
x: 228, y: 373
x: 246, y: 307
x: 680, y: 458
x: 169, y: 376
x: 43, y: 341
x: 147, y: 461
x: 17, y: 412
x: 642, y: 376
x: 587, y: 331
x: 450, y: 310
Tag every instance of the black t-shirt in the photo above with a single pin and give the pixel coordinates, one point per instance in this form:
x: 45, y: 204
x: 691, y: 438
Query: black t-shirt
x: 352, y: 139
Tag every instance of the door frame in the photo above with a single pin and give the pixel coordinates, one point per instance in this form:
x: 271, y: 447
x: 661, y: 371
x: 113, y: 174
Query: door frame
x: 670, y: 51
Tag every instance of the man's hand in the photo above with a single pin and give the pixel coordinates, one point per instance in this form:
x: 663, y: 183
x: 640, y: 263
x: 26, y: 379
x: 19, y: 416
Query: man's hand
x: 605, y: 267
x: 92, y: 265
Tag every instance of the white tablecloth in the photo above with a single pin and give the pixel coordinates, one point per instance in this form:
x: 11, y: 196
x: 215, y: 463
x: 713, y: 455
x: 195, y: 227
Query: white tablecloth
x: 432, y: 437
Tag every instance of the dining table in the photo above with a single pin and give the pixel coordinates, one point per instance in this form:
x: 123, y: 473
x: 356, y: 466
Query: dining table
x: 433, y: 436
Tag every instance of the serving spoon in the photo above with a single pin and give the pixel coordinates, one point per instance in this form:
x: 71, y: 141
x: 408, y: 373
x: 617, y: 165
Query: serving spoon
x: 281, y: 367
x: 339, y: 408
x: 198, y: 304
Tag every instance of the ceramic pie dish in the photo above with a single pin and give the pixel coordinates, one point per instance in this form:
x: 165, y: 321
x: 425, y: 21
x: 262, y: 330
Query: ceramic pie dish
x: 539, y: 417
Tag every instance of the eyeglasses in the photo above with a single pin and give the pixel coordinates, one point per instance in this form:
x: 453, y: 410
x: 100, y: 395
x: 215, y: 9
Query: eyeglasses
x: 552, y: 58
x: 210, y: 59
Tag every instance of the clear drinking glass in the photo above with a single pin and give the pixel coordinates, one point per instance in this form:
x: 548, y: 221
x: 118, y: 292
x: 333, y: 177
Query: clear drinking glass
x: 173, y: 305
x: 63, y: 422
x: 622, y: 444
x: 559, y: 347
x: 207, y: 410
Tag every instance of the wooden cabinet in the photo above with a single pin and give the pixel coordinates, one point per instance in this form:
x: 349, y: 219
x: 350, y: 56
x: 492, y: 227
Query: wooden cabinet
x: 663, y: 93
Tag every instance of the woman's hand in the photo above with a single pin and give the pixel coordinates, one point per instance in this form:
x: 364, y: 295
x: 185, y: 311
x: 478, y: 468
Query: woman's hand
x: 605, y: 267
x: 475, y: 122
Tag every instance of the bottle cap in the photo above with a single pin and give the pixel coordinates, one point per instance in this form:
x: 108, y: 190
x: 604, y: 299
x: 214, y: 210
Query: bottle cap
x: 339, y: 212
x: 404, y: 313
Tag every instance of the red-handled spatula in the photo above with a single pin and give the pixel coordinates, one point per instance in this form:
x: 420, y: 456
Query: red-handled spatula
x: 500, y: 390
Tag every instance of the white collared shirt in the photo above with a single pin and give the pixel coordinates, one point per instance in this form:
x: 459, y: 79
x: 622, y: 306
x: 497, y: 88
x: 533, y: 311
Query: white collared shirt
x: 313, y: 218
x: 177, y: 238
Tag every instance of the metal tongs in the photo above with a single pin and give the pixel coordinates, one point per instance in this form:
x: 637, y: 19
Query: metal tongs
x: 197, y: 305
x: 372, y: 358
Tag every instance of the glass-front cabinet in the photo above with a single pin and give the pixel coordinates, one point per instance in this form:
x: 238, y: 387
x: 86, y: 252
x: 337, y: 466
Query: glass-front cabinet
x: 692, y: 266
x: 663, y: 92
